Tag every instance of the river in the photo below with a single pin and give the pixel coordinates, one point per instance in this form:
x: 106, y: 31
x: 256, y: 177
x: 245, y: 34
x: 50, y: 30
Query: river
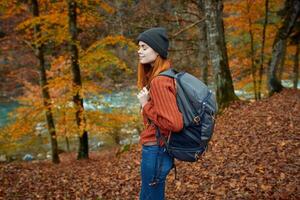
x: 122, y: 99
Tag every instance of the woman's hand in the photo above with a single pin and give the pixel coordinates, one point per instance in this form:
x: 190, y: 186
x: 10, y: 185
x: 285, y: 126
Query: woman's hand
x: 143, y: 96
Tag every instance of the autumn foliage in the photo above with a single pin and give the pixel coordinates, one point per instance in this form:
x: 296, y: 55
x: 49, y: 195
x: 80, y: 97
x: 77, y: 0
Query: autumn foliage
x: 96, y: 59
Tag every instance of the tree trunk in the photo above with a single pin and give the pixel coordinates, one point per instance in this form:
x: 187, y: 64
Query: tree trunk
x: 218, y: 53
x: 278, y: 45
x: 262, y: 53
x: 67, y: 144
x: 282, y: 61
x: 203, y: 61
x: 252, y: 53
x: 44, y: 85
x: 2, y: 34
x: 203, y: 55
x: 117, y: 138
x: 296, y: 67
x: 65, y: 132
x: 83, y: 151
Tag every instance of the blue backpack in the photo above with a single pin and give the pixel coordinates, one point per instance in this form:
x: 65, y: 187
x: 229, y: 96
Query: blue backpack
x: 198, y: 107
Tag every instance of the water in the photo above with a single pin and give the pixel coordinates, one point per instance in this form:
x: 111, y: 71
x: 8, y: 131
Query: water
x: 123, y: 100
x: 289, y: 84
x: 5, y: 108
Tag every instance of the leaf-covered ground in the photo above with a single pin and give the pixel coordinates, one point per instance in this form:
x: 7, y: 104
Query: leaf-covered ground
x: 254, y: 154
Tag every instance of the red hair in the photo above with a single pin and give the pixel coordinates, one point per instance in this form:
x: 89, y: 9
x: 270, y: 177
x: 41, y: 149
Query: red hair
x: 146, y: 72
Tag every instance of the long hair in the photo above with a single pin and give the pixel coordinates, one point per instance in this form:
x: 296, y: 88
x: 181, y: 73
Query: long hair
x: 146, y: 72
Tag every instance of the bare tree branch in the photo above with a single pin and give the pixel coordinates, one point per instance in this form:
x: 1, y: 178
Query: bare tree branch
x: 186, y: 28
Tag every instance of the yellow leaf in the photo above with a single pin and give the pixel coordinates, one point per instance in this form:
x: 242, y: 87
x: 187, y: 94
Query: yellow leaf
x: 266, y: 187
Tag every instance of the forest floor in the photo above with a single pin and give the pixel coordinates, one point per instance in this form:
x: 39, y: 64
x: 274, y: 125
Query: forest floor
x: 254, y: 154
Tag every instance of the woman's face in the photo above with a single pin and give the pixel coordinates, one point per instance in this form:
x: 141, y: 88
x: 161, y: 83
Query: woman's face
x: 146, y: 53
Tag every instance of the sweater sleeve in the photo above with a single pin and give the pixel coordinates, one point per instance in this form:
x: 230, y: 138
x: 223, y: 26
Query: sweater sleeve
x: 162, y: 107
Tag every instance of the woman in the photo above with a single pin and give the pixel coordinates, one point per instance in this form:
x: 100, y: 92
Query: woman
x: 159, y: 109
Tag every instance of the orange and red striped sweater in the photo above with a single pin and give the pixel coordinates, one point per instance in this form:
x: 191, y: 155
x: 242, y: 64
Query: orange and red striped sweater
x: 161, y: 110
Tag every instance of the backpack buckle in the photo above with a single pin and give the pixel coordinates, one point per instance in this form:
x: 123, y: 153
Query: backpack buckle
x: 197, y: 120
x: 197, y: 155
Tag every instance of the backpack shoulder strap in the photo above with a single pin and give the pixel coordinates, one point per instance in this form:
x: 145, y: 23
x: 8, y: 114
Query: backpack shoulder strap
x: 169, y: 73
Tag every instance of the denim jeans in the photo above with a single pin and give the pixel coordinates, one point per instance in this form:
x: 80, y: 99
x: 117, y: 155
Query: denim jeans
x: 155, y: 166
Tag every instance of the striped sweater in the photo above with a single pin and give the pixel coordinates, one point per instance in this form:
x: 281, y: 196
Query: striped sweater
x: 161, y: 109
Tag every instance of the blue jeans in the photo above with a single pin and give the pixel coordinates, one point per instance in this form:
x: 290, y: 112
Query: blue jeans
x: 155, y: 166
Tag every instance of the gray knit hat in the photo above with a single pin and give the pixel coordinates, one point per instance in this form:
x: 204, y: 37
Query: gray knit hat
x: 157, y: 39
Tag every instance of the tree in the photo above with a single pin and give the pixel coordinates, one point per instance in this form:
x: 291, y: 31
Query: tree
x: 83, y: 151
x: 296, y: 66
x: 282, y: 61
x: 44, y: 85
x: 250, y: 30
x: 218, y: 53
x: 203, y: 55
x: 292, y: 13
x: 252, y: 51
x: 262, y: 52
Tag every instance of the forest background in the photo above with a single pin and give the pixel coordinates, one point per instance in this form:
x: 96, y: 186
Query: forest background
x: 68, y: 92
x: 68, y: 68
x: 79, y: 63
